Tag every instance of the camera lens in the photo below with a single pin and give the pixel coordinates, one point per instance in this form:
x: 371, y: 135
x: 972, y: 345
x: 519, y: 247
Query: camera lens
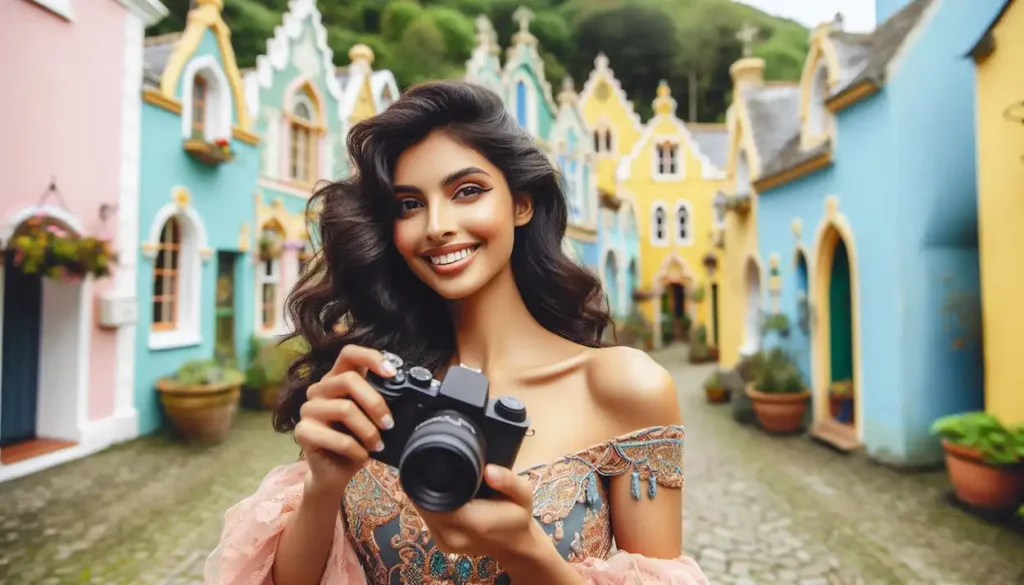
x: 442, y: 465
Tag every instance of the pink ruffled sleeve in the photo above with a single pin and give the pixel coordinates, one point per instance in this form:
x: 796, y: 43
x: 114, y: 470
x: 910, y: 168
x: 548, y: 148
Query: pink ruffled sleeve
x: 624, y: 568
x: 253, y: 527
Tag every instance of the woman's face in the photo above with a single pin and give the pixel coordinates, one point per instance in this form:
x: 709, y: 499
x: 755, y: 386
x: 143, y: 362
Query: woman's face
x: 456, y: 217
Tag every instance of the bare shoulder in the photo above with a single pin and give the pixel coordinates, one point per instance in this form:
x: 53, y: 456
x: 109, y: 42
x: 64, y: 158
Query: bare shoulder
x: 635, y: 390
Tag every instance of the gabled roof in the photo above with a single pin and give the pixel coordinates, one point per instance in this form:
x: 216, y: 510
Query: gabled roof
x: 773, y: 111
x: 155, y: 55
x: 713, y: 141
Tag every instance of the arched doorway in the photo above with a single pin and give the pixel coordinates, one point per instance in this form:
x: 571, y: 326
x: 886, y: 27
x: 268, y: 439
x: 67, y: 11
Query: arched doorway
x: 675, y: 318
x: 840, y: 326
x: 45, y: 324
x: 752, y: 312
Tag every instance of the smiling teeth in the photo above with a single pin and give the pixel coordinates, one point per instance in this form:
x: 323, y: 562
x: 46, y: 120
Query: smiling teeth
x: 452, y: 257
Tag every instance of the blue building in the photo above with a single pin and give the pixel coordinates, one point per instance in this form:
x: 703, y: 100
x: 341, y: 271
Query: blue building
x: 620, y: 253
x: 867, y: 226
x: 199, y: 166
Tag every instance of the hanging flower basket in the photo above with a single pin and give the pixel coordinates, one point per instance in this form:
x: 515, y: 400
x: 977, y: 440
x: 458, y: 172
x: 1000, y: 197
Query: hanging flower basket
x: 210, y: 153
x: 739, y: 203
x: 51, y: 250
x: 271, y: 245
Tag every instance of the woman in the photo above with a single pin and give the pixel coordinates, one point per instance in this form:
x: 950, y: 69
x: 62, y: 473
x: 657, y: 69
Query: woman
x: 445, y: 247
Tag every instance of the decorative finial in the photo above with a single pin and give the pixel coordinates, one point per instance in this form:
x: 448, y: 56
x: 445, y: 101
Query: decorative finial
x: 601, y: 61
x: 523, y: 16
x: 664, y: 104
x: 837, y: 22
x: 747, y: 35
x: 568, y: 93
x: 360, y: 53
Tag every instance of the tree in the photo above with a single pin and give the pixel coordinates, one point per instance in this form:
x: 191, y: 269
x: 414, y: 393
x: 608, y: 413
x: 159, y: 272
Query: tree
x: 420, y: 56
x: 397, y: 17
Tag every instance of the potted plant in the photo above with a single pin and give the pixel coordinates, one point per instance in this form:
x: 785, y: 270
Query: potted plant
x: 776, y: 322
x: 268, y: 368
x: 714, y: 389
x: 209, y: 153
x: 49, y: 249
x: 840, y: 398
x: 779, y: 394
x: 700, y: 352
x: 636, y: 331
x: 271, y: 244
x: 201, y: 399
x: 984, y: 460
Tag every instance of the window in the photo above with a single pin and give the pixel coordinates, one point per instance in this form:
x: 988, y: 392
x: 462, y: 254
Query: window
x: 659, y: 225
x: 684, y: 227
x: 521, y: 98
x: 167, y: 277
x: 597, y: 141
x: 199, y: 93
x: 607, y: 140
x: 816, y: 114
x: 304, y: 135
x: 667, y: 158
x: 602, y: 141
x: 269, y: 280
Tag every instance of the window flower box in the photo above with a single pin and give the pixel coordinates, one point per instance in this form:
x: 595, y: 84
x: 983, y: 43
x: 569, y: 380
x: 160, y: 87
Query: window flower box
x: 210, y: 153
x: 45, y: 248
x: 739, y: 203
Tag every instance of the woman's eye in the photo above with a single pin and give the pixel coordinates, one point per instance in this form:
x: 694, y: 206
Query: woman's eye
x: 468, y: 191
x: 407, y: 205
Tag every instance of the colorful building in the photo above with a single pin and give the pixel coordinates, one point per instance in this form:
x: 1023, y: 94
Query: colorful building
x: 294, y: 99
x: 1000, y: 143
x: 69, y: 157
x: 199, y: 166
x: 614, y: 128
x: 574, y: 156
x: 866, y: 227
x: 672, y: 185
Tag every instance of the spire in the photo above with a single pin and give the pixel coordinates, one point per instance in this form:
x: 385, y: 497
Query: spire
x: 747, y: 35
x: 568, y: 95
x: 523, y: 16
x: 664, y: 104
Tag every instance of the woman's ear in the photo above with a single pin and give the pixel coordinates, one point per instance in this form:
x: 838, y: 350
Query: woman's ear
x: 522, y: 209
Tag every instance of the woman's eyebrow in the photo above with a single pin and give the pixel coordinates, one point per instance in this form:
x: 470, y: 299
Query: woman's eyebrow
x: 447, y: 181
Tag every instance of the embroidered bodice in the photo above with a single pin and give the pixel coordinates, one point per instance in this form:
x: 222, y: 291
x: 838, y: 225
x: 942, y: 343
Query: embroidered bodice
x: 570, y: 501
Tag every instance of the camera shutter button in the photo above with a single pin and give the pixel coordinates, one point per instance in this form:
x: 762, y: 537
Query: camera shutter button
x: 420, y: 376
x: 509, y: 407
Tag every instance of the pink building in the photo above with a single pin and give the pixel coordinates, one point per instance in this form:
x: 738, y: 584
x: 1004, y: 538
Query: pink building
x: 73, y: 71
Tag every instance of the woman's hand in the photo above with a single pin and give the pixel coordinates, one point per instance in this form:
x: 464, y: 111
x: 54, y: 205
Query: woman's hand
x: 343, y: 399
x: 503, y: 529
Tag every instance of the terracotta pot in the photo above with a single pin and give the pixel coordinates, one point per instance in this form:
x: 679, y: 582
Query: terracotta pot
x: 200, y: 413
x: 269, y: 396
x: 717, y: 395
x: 982, y: 485
x: 779, y: 413
x: 836, y: 404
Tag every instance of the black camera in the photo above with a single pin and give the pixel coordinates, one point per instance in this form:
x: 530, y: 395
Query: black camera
x: 446, y: 432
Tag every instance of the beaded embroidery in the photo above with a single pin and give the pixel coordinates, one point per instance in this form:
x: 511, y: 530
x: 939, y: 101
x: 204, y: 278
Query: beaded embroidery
x: 395, y: 548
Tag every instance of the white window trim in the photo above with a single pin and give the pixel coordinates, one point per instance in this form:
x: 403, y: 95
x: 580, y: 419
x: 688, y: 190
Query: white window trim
x: 61, y: 8
x: 192, y: 255
x: 743, y: 182
x: 816, y: 110
x: 680, y: 173
x: 664, y: 239
x: 219, y: 96
x: 680, y: 206
x: 274, y: 278
x: 531, y: 99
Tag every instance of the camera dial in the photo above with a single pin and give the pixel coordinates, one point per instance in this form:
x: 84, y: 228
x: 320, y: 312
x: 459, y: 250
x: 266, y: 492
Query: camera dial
x: 510, y: 408
x: 420, y: 377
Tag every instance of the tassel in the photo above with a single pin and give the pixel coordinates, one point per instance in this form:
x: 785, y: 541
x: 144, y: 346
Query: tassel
x: 634, y: 485
x: 652, y: 486
x: 592, y: 490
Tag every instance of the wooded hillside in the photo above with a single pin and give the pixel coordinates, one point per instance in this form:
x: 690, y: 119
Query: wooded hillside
x: 646, y: 40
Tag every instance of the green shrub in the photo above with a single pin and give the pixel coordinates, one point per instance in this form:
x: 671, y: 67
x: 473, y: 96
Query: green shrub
x: 997, y: 444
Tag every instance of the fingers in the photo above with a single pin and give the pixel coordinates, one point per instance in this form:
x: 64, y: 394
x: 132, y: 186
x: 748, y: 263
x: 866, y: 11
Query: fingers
x: 313, y: 435
x: 347, y: 413
x: 361, y: 359
x: 515, y: 488
x: 352, y: 385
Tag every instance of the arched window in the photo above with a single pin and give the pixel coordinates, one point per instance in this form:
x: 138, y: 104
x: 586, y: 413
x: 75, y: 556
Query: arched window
x: 607, y: 140
x: 667, y: 158
x: 684, y: 223
x: 269, y: 277
x: 304, y: 133
x: 200, y: 91
x: 817, y: 116
x: 167, y: 277
x: 659, y: 227
x: 521, y: 98
x: 597, y: 141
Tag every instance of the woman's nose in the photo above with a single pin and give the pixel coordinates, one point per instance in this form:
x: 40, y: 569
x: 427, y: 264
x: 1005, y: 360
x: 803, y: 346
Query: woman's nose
x: 441, y: 223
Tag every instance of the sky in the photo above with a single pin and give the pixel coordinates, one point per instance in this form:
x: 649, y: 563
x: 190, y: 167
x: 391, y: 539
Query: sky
x: 858, y: 15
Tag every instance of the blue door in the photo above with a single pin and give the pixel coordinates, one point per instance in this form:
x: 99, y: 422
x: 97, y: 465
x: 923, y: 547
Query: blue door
x: 19, y: 384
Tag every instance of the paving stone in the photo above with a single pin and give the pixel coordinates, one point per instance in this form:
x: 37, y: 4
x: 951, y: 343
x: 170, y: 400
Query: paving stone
x: 759, y: 510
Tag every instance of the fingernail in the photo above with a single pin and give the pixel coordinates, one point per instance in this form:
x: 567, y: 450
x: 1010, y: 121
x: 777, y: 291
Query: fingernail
x: 378, y: 447
x: 388, y: 368
x: 386, y: 422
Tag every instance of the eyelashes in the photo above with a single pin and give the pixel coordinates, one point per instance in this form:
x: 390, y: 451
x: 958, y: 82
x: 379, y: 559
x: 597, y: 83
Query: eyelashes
x: 407, y: 205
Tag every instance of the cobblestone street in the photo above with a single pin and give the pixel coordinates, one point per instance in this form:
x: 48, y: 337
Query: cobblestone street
x: 759, y: 510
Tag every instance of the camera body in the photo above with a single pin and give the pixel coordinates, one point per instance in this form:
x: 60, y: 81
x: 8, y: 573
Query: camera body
x: 446, y: 432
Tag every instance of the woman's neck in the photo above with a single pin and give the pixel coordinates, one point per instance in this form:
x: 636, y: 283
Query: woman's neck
x: 495, y: 332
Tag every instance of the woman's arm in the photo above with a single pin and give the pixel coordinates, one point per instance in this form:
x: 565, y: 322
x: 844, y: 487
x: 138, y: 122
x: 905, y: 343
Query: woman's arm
x: 307, y: 540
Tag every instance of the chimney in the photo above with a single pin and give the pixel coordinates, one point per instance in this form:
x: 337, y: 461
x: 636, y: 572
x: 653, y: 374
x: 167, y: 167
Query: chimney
x: 747, y: 73
x: 361, y: 58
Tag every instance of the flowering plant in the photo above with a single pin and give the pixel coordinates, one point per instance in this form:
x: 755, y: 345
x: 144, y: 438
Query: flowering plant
x: 53, y: 251
x: 224, y: 144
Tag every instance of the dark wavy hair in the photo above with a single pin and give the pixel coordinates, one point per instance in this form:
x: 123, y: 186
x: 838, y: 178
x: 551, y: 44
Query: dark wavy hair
x: 358, y: 289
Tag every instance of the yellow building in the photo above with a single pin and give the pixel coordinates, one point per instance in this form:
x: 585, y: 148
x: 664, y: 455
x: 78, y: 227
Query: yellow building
x: 672, y: 184
x: 1000, y: 143
x: 614, y: 124
x: 756, y: 119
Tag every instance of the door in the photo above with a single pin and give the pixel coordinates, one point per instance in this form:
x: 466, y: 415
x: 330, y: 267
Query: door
x: 22, y: 329
x: 224, y: 311
x: 679, y: 329
x: 840, y: 316
x: 714, y: 313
